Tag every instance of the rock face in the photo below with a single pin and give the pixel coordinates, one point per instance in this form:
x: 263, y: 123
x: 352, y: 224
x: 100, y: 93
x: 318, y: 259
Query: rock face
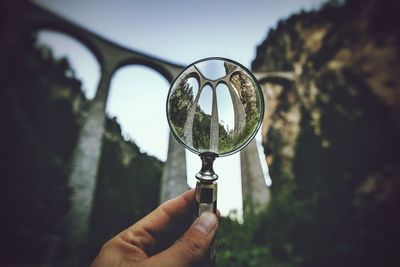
x: 331, y: 137
x: 42, y: 110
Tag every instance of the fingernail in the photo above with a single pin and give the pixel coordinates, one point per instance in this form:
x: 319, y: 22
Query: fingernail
x: 206, y: 222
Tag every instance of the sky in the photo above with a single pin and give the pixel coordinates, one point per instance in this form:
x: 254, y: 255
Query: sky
x: 178, y: 31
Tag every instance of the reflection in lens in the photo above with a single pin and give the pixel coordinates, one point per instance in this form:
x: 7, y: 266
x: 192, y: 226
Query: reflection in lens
x: 212, y: 69
x: 202, y: 121
x: 218, y: 115
x: 192, y: 82
x: 225, y: 108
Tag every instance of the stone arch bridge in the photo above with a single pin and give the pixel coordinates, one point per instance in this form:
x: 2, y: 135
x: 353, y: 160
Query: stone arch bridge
x: 111, y: 57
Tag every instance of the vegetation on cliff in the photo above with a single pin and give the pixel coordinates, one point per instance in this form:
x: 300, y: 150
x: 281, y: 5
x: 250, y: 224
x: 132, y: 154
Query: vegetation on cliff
x: 333, y: 137
x: 42, y: 109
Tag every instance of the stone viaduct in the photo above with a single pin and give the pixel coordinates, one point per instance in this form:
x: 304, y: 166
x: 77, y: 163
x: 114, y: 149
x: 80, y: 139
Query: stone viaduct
x: 84, y: 165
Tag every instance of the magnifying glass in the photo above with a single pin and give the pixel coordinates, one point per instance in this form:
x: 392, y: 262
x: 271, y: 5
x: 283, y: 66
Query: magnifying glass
x: 215, y: 107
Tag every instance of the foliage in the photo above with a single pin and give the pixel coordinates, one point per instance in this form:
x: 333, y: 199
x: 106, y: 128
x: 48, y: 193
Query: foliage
x: 234, y: 139
x: 42, y: 109
x: 201, y: 129
x: 331, y: 203
x: 179, y: 104
x: 239, y: 244
x: 181, y: 101
x: 38, y: 133
x: 127, y: 186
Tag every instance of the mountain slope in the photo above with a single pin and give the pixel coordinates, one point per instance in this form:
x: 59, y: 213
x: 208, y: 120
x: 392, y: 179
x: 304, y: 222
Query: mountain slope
x: 332, y: 136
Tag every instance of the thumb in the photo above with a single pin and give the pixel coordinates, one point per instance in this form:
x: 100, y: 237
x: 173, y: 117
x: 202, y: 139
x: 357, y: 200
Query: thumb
x: 191, y: 247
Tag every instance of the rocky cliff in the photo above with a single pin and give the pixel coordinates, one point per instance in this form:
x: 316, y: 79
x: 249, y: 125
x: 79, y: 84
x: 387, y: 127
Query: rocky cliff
x: 42, y: 108
x: 331, y: 137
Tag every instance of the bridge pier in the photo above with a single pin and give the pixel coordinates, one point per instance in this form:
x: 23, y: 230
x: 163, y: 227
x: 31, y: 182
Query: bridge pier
x: 255, y: 192
x: 84, y: 168
x: 173, y: 180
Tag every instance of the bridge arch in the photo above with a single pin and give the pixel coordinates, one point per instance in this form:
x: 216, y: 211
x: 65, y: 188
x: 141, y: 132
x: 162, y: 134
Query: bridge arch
x: 82, y: 62
x: 156, y: 66
x: 277, y: 80
x: 283, y: 78
x: 137, y: 98
x: 64, y: 29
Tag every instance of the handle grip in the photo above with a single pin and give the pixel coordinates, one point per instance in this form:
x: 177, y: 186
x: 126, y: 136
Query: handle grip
x: 206, y: 200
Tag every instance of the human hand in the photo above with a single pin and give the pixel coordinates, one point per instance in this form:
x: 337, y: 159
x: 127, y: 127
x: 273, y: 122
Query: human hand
x: 142, y: 244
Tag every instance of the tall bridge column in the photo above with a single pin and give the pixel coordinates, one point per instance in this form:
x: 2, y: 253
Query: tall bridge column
x: 84, y: 168
x: 254, y: 189
x: 174, y: 181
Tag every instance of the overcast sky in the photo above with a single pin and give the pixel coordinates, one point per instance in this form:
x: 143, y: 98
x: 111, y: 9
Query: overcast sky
x: 178, y: 31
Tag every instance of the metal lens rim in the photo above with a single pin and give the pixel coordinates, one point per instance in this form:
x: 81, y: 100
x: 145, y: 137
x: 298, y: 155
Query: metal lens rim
x: 262, y: 107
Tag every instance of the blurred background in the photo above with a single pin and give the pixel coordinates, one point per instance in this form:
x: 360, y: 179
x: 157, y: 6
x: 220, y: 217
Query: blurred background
x: 85, y: 148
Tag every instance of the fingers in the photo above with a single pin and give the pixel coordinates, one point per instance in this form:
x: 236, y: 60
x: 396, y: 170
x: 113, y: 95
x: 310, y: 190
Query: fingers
x: 144, y: 233
x: 191, y: 247
x: 167, y: 213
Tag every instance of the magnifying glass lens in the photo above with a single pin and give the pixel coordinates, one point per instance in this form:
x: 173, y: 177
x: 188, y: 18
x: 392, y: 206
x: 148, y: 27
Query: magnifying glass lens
x: 215, y: 106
